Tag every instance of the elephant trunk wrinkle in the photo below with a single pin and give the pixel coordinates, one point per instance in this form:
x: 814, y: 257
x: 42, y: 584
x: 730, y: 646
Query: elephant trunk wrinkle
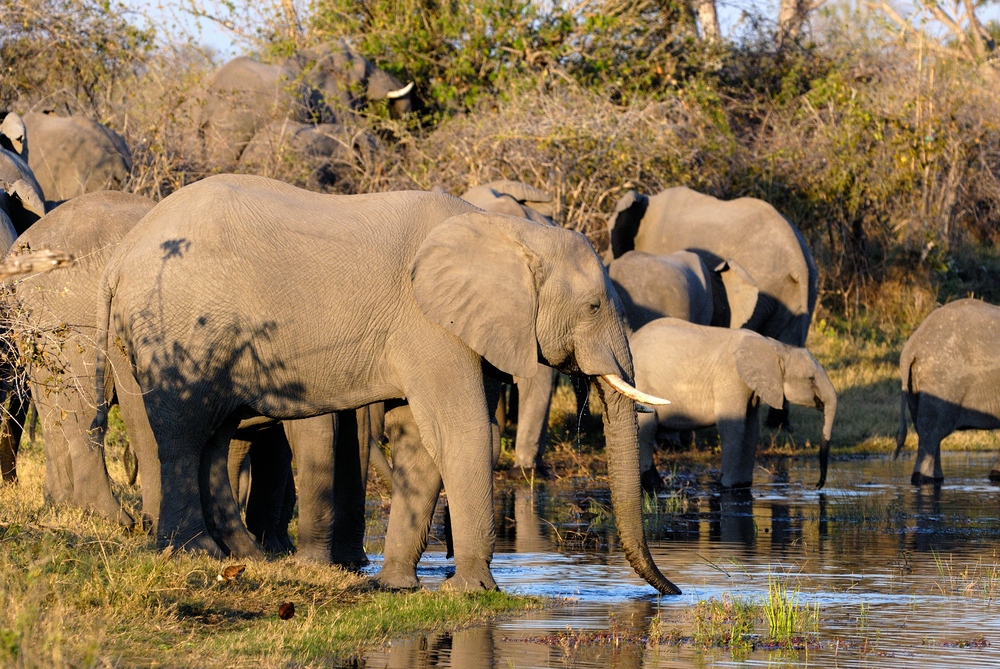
x: 621, y: 436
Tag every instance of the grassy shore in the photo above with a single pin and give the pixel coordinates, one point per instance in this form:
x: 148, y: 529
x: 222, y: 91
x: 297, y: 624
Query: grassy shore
x: 78, y: 591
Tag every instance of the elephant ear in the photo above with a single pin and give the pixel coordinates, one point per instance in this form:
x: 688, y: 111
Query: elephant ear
x: 741, y: 292
x: 623, y: 225
x: 474, y: 277
x: 527, y: 194
x: 760, y: 367
x: 13, y: 134
x: 27, y: 197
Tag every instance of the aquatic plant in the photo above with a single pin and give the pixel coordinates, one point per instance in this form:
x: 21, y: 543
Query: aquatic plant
x: 786, y: 617
x: 727, y: 622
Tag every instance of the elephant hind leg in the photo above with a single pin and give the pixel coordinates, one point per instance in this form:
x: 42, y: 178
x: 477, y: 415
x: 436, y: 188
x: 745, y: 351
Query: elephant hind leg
x: 935, y: 421
x: 221, y: 512
x: 416, y: 484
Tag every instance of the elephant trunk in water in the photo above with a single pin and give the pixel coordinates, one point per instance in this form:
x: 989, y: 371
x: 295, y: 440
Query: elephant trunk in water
x: 622, y: 448
x: 827, y: 401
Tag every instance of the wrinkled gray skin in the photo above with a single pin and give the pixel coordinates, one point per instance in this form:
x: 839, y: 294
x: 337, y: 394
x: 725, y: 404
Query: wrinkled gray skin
x: 427, y: 289
x: 63, y: 390
x: 746, y: 230
x: 73, y: 155
x: 316, y: 86
x: 327, y: 150
x: 678, y: 285
x: 950, y: 373
x: 23, y: 201
x: 715, y: 376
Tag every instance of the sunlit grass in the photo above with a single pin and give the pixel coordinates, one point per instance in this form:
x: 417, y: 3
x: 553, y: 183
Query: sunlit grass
x: 78, y: 591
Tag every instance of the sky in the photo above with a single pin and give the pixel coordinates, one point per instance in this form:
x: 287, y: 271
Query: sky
x: 172, y: 21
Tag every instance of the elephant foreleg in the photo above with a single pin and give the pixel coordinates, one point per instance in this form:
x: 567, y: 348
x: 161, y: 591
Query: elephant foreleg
x: 534, y: 399
x: 313, y: 444
x: 737, y: 467
x: 349, y: 485
x: 416, y: 484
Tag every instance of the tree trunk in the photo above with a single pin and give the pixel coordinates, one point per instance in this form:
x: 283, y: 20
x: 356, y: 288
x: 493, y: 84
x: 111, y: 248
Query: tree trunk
x: 708, y: 19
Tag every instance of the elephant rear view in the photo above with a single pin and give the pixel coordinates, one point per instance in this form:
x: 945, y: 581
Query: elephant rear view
x: 73, y: 155
x: 950, y: 374
x: 716, y: 376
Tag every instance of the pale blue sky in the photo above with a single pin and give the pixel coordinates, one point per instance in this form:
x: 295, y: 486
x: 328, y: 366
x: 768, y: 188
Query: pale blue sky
x: 173, y: 23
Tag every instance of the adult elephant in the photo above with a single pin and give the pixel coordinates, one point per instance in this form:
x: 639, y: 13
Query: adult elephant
x: 395, y: 295
x: 716, y: 376
x: 747, y: 230
x: 73, y: 155
x: 53, y: 322
x: 948, y: 369
x: 314, y: 86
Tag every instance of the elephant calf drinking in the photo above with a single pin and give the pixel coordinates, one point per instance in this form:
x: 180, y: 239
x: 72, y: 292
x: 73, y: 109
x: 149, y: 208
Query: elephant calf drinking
x: 716, y: 376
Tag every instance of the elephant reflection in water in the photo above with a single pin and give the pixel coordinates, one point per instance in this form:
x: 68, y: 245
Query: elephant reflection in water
x: 520, y: 523
x: 471, y: 649
x: 733, y: 521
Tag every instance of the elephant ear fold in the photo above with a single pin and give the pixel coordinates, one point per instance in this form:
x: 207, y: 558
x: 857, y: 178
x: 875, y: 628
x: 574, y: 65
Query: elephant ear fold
x: 13, y: 134
x: 473, y: 277
x: 623, y: 225
x: 741, y: 292
x: 760, y: 367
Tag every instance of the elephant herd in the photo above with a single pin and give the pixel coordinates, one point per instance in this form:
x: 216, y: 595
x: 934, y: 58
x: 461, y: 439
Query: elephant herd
x: 261, y: 339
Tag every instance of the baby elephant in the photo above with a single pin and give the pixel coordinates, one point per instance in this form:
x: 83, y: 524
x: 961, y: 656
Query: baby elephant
x: 950, y: 372
x: 717, y: 376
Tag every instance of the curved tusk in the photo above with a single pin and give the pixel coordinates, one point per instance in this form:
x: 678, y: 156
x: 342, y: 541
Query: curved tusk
x: 619, y: 384
x: 401, y: 92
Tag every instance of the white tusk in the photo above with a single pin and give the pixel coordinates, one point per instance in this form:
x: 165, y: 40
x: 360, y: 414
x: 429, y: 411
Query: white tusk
x: 401, y: 92
x: 619, y: 384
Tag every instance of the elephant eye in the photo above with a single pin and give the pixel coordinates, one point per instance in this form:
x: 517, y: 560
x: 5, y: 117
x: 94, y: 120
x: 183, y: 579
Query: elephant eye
x: 594, y: 306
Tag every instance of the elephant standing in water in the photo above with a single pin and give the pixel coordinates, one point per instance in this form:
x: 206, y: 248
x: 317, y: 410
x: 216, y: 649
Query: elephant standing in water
x: 280, y: 302
x: 950, y: 374
x: 746, y: 230
x: 716, y: 376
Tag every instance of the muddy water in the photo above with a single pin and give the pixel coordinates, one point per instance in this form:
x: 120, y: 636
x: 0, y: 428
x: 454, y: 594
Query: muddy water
x: 902, y: 576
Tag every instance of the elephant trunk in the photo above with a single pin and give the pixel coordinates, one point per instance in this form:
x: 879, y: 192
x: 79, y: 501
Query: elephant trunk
x: 622, y: 448
x: 827, y: 398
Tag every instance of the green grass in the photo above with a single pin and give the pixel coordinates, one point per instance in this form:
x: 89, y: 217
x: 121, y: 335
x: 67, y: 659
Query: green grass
x: 78, y: 591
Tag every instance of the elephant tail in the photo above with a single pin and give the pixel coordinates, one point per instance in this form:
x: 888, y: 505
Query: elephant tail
x: 906, y: 372
x: 104, y: 294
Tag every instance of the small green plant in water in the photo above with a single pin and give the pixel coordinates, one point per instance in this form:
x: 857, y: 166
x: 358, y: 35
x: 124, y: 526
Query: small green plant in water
x: 728, y: 622
x: 785, y: 616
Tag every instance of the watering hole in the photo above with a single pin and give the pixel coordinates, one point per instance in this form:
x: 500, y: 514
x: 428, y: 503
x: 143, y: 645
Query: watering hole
x: 876, y: 573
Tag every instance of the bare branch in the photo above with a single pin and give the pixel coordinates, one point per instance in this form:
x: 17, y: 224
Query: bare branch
x: 35, y: 262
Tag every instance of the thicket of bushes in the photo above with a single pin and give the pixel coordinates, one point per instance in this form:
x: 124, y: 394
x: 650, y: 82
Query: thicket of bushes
x: 886, y: 155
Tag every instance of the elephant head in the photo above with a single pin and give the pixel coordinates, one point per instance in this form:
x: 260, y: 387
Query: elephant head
x: 21, y: 204
x: 340, y: 72
x: 514, y: 198
x: 13, y: 135
x: 776, y: 372
x: 734, y: 296
x: 519, y: 293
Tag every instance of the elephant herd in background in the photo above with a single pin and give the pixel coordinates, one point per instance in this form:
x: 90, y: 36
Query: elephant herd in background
x: 242, y: 323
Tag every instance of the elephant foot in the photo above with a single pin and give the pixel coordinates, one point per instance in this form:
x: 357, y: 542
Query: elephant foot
x: 397, y: 577
x: 275, y: 546
x: 471, y: 577
x: 352, y: 559
x: 312, y: 554
x: 109, y: 509
x: 995, y: 476
x: 650, y: 480
x: 202, y: 543
x: 920, y: 479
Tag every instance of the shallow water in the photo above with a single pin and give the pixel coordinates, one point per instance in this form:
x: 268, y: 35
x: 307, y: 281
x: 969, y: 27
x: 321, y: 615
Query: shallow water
x: 903, y: 576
